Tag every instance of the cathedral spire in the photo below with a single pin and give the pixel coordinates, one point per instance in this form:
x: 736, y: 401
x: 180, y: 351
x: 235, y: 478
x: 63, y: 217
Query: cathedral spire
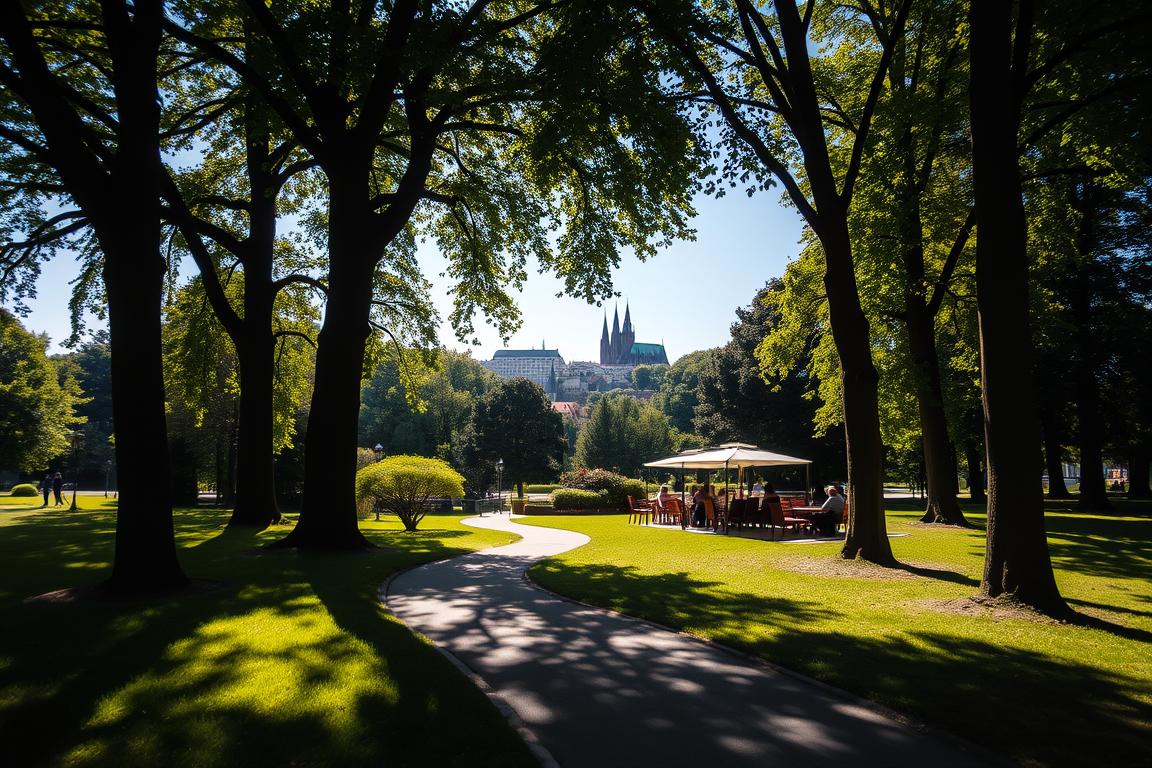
x: 627, y: 319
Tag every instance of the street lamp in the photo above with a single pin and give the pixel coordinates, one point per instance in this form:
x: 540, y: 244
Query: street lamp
x: 107, y: 476
x: 77, y: 438
x: 499, y: 489
x: 378, y: 450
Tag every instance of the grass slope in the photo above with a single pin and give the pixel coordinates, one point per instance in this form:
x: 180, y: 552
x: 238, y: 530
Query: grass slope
x: 1042, y: 692
x: 290, y: 661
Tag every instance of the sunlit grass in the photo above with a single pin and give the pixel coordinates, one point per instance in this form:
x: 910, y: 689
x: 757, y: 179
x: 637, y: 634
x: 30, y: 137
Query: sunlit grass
x: 1043, y: 692
x: 278, y: 659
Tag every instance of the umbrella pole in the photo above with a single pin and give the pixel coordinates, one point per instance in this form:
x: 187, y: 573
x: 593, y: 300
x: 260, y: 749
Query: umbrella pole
x: 807, y: 482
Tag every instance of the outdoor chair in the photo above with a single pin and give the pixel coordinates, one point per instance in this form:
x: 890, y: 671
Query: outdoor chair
x: 779, y: 519
x: 673, y: 513
x: 738, y: 513
x: 843, y: 519
x: 714, y: 516
x: 640, y: 510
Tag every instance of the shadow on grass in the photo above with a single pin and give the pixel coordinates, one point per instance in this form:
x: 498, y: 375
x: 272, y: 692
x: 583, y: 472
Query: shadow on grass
x: 1033, y: 707
x: 1101, y: 546
x: 255, y: 673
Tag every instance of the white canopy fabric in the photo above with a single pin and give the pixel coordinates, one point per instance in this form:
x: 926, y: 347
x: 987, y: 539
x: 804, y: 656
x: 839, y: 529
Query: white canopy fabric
x: 728, y: 456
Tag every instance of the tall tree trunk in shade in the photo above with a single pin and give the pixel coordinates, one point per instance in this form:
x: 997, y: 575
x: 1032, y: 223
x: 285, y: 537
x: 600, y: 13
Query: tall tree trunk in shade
x: 1138, y: 467
x: 1017, y: 562
x: 1053, y: 455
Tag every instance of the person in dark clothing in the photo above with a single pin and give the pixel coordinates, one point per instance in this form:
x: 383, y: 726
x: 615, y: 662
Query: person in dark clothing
x: 46, y: 486
x: 58, y: 488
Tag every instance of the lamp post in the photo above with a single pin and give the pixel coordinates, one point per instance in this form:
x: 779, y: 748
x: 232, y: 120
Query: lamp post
x: 77, y: 438
x: 107, y: 476
x: 499, y: 489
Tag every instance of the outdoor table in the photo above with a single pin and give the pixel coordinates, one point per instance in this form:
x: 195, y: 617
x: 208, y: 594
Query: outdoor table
x: 804, y: 511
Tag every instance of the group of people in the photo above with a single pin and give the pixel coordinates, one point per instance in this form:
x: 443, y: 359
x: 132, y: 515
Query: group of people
x: 824, y: 521
x: 53, y: 482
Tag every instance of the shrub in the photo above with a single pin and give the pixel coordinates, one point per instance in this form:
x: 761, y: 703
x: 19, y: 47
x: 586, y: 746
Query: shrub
x: 577, y: 498
x: 540, y: 488
x: 402, y: 486
x: 617, y: 488
x: 25, y: 489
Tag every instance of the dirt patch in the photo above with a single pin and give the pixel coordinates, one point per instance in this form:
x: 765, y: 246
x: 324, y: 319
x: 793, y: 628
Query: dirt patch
x: 993, y: 608
x: 851, y: 569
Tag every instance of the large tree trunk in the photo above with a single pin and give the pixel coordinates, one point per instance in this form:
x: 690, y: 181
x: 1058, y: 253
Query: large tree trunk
x: 255, y: 349
x: 328, y: 511
x: 1138, y: 465
x: 1017, y: 562
x: 867, y: 535
x: 1053, y: 455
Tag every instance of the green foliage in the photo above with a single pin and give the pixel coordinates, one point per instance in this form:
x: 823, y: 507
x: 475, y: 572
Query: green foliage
x: 648, y: 376
x: 25, y: 489
x: 616, y: 488
x: 402, y: 486
x: 515, y: 422
x: 677, y: 394
x: 577, y: 498
x: 37, y: 410
x: 539, y: 488
x: 622, y: 433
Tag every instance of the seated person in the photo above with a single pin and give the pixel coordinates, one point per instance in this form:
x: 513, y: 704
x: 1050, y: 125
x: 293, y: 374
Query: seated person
x: 758, y: 488
x: 699, y: 514
x: 826, y: 520
x: 663, y: 496
x: 770, y: 494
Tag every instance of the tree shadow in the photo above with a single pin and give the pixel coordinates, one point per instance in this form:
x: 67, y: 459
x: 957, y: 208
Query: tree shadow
x: 1008, y: 699
x: 1101, y: 546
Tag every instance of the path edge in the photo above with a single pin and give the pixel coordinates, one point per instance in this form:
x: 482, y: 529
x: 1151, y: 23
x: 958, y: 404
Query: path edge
x: 535, y: 746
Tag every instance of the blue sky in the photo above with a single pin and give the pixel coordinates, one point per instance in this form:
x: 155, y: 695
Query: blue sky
x: 686, y: 296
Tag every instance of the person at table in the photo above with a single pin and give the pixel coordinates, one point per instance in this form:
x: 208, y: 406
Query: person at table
x: 770, y: 495
x: 662, y: 497
x: 699, y: 513
x: 826, y: 520
x: 757, y: 488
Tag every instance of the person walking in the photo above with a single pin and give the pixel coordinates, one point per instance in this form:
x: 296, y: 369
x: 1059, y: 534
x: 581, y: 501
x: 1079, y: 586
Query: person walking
x: 58, y: 488
x: 46, y: 486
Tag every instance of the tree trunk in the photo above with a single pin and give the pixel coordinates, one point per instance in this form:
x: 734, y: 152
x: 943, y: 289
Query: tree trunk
x: 867, y: 535
x: 1138, y: 465
x: 972, y: 457
x: 328, y: 511
x: 255, y: 349
x: 1093, y: 493
x: 1053, y: 455
x: 1017, y: 562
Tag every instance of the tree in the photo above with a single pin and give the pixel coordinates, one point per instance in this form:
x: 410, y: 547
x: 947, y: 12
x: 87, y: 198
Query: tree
x: 402, y: 486
x: 756, y: 70
x: 92, y: 116
x: 677, y: 394
x: 36, y: 412
x: 1017, y: 562
x: 622, y: 434
x: 648, y: 376
x: 479, y: 124
x: 515, y: 422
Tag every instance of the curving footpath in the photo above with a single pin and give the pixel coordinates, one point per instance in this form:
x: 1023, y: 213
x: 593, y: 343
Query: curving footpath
x: 595, y: 688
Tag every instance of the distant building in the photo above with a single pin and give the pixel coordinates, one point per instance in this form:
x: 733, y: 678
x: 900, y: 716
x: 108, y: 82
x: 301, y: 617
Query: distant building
x: 538, y: 365
x: 621, y: 348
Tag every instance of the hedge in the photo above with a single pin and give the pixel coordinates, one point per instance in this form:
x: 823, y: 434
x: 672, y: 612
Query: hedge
x: 576, y: 498
x: 616, y: 487
x: 540, y: 488
x: 25, y: 489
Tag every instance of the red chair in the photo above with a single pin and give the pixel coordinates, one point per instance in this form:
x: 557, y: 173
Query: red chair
x: 641, y: 510
x: 779, y: 519
x: 674, y: 513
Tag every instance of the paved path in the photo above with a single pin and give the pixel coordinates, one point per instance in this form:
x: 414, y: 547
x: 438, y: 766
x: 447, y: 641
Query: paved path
x: 599, y: 689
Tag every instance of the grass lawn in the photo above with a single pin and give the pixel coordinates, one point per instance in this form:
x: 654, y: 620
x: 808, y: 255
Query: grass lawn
x: 289, y: 660
x: 1041, y: 692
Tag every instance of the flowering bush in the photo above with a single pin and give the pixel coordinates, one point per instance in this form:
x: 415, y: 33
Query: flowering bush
x: 615, y: 487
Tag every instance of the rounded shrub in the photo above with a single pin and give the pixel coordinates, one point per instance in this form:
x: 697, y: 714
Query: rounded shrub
x: 577, y: 498
x: 403, y: 485
x: 25, y: 489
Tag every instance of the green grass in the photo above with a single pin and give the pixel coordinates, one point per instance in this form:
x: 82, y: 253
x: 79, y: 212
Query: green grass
x: 1041, y: 692
x: 289, y: 660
